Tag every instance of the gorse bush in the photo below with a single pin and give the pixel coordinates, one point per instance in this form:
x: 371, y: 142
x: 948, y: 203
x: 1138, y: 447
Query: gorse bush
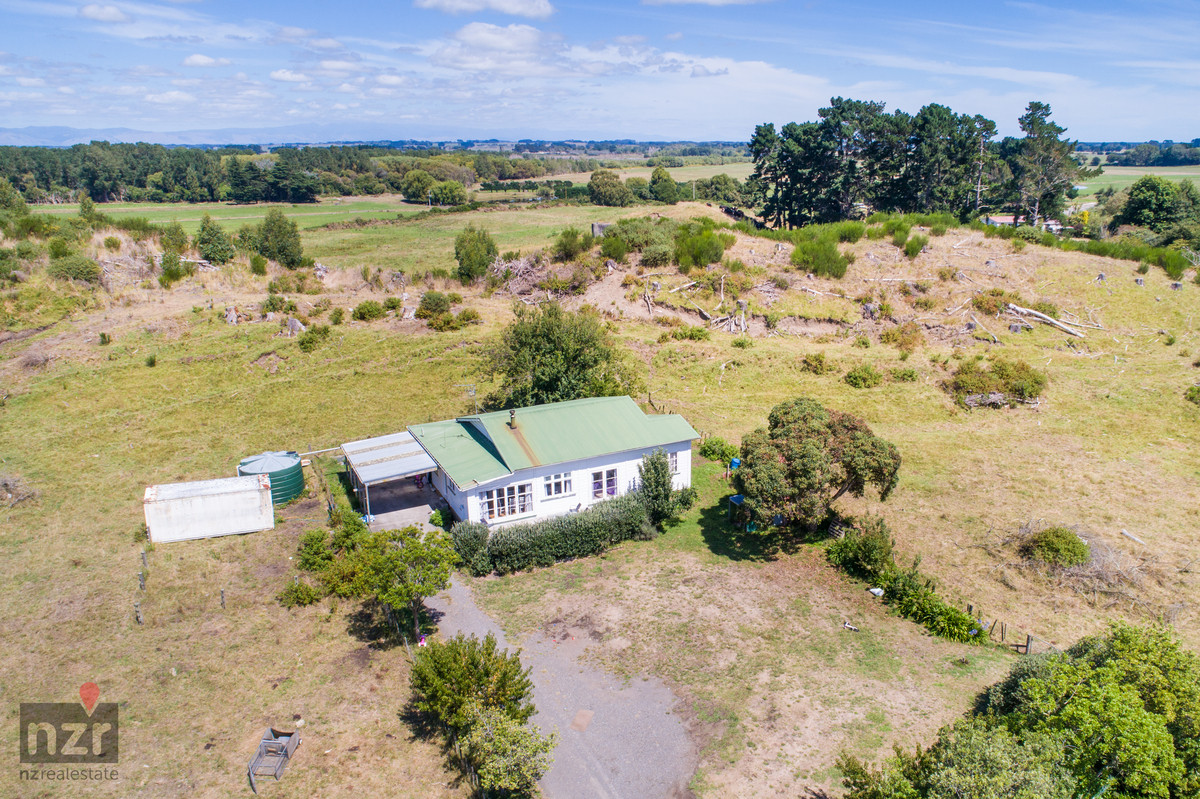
x: 820, y: 257
x: 913, y: 247
x: 313, y: 337
x: 74, y: 267
x: 906, y: 337
x: 1014, y: 379
x: 717, y: 449
x: 864, y: 376
x: 1056, y: 546
x: 993, y: 301
x: 368, y: 310
x: 817, y: 364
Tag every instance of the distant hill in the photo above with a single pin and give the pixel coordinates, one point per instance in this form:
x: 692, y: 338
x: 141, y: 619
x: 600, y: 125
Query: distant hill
x: 292, y: 134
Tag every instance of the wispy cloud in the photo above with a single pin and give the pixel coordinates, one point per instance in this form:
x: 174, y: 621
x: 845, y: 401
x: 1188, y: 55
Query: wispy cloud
x: 536, y: 9
x: 99, y: 13
x: 288, y: 76
x: 201, y: 60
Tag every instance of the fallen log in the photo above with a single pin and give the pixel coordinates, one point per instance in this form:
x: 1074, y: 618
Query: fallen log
x: 1041, y: 317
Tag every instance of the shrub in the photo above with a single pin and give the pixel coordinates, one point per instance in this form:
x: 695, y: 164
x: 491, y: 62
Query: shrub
x: 258, y: 265
x: 274, y: 303
x: 393, y: 304
x: 743, y: 342
x: 938, y: 230
x: 925, y: 303
x: 452, y: 680
x: 817, y: 364
x: 657, y: 255
x: 993, y: 301
x: 864, y: 376
x: 151, y: 360
x: 913, y: 247
x: 1057, y: 546
x: 58, y: 247
x: 590, y: 532
x: 718, y: 450
x: 112, y: 243
x: 691, y: 333
x: 298, y: 595
x: 474, y: 250
x: 865, y: 551
x: 614, y: 247
x: 173, y: 237
x: 469, y: 316
x: 1013, y: 379
x: 907, y: 375
x: 1047, y: 308
x: 900, y: 238
x: 1192, y: 394
x: 850, y: 232
x: 906, y: 337
x: 336, y: 316
x: 470, y: 542
x: 75, y: 267
x: 820, y: 257
x: 310, y: 339
x: 698, y: 248
x: 368, y: 310
x: 432, y: 304
x: 314, y: 553
x: 569, y: 244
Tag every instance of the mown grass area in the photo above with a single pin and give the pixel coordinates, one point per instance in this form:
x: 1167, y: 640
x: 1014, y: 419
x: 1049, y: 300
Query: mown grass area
x: 428, y: 243
x: 1122, y: 177
x: 230, y: 216
x: 740, y: 170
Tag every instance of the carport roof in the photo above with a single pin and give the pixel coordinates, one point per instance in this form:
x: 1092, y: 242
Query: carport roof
x: 390, y: 457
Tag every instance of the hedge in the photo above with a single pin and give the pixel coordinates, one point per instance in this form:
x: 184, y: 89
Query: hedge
x: 543, y: 543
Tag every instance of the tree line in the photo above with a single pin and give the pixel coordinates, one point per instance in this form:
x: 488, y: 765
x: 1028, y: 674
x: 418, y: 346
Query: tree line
x: 856, y: 157
x: 154, y: 173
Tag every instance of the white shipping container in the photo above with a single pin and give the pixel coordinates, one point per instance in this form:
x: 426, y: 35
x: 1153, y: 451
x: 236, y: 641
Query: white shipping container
x: 209, y: 508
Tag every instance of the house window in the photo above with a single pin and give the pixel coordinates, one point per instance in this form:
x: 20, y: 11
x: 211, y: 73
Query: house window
x: 558, y: 484
x: 604, y: 483
x: 507, y: 501
x: 673, y: 458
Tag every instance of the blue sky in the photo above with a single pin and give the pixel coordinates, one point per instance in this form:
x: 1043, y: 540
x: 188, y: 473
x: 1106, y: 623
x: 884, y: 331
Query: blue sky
x: 655, y: 69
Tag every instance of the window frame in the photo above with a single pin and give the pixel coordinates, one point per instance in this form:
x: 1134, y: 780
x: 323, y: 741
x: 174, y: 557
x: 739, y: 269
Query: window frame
x: 564, y: 482
x: 505, y: 502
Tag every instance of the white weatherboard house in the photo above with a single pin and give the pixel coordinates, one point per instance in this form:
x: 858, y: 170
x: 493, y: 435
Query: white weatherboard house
x: 547, y: 460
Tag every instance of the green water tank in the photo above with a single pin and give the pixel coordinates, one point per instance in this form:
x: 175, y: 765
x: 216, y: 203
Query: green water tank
x: 287, y: 476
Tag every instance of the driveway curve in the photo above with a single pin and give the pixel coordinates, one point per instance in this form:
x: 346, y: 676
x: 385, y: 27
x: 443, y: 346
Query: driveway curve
x: 617, y: 739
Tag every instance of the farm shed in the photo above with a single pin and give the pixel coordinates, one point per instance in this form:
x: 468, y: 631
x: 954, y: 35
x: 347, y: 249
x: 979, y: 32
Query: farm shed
x: 384, y: 459
x: 209, y: 508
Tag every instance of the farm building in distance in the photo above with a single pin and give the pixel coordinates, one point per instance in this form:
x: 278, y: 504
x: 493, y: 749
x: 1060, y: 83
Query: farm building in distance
x: 530, y: 463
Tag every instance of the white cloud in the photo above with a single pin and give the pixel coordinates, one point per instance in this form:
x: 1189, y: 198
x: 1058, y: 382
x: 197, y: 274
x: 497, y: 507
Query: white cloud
x: 339, y: 66
x: 703, y: 2
x: 537, y: 9
x: 170, y: 98
x: 30, y: 82
x: 200, y: 60
x: 287, y: 76
x: 511, y: 38
x: 65, y: 90
x: 99, y: 13
x: 391, y: 80
x: 289, y: 32
x: 674, y: 37
x: 325, y: 44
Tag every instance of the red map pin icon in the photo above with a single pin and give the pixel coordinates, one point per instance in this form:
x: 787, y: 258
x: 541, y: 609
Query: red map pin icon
x: 89, y: 692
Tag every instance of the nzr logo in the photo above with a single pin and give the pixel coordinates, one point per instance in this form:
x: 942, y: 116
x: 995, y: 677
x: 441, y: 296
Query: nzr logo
x: 69, y: 732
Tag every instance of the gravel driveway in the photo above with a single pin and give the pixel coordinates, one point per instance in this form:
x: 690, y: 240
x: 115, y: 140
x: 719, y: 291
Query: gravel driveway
x: 617, y: 739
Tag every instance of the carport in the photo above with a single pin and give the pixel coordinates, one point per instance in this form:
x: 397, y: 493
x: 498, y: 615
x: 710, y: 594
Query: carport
x: 385, y: 459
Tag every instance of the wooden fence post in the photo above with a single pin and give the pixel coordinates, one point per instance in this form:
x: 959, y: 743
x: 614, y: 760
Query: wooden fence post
x: 142, y: 581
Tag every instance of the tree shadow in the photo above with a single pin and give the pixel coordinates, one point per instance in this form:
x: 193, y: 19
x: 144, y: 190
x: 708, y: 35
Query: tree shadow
x: 815, y: 793
x: 729, y: 541
x: 372, y: 625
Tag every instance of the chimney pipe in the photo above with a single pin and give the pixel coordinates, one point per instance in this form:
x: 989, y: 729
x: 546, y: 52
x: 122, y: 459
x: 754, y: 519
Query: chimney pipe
x: 512, y: 418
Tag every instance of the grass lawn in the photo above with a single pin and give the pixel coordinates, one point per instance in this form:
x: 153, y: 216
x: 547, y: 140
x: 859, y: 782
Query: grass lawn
x: 1122, y: 177
x: 230, y: 216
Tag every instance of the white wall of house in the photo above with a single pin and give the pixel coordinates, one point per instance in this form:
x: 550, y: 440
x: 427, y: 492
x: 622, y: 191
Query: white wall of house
x: 470, y: 504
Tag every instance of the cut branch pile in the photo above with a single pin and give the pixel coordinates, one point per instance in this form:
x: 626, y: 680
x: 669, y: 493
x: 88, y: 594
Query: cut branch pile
x: 14, y: 491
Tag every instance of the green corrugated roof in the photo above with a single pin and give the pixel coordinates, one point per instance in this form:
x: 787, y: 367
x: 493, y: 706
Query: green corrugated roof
x: 477, y: 449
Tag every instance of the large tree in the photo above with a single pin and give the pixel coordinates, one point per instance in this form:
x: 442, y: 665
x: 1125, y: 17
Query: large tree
x: 806, y: 458
x: 453, y: 681
x: 605, y: 188
x: 663, y: 187
x: 1043, y: 167
x: 402, y: 567
x: 474, y: 249
x: 213, y: 243
x: 550, y: 354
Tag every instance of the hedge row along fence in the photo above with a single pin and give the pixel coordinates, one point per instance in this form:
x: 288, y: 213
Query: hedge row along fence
x: 866, y: 552
x: 544, y: 543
